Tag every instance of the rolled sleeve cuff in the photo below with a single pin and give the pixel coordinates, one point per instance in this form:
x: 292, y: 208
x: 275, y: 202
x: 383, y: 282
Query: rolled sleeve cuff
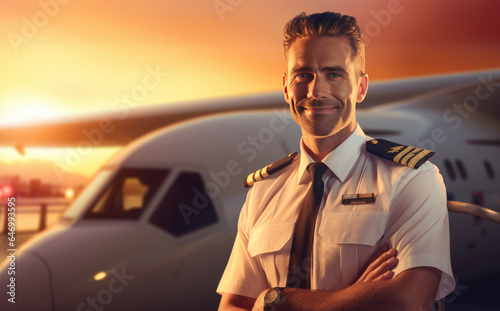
x: 447, y: 283
x: 239, y: 288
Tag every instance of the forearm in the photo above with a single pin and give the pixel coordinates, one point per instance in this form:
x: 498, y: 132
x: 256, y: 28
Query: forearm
x: 365, y: 296
x: 411, y: 290
x: 233, y: 302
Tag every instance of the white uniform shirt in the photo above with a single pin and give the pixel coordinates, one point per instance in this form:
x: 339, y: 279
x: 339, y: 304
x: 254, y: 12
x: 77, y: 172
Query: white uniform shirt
x: 409, y: 214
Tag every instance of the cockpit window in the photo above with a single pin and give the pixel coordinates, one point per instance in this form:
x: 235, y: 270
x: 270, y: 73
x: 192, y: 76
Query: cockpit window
x: 186, y: 207
x: 134, y: 192
x: 128, y: 194
x: 87, y: 194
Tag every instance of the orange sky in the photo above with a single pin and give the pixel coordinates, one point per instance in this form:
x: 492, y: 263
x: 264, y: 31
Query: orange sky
x: 82, y: 55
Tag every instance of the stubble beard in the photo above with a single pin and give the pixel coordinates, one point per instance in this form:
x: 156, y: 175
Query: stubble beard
x: 318, y: 125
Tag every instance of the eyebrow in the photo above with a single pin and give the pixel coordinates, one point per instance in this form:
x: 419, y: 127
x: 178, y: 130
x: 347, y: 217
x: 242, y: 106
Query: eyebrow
x: 324, y: 69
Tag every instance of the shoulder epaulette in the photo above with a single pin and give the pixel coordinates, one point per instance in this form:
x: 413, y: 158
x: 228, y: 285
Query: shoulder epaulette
x: 269, y: 170
x: 406, y: 155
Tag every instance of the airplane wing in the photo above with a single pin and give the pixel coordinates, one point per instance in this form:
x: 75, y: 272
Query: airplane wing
x: 482, y: 87
x: 394, y: 91
x: 477, y: 98
x: 123, y: 124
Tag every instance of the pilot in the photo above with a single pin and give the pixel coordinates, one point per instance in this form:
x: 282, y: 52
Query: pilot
x: 350, y: 223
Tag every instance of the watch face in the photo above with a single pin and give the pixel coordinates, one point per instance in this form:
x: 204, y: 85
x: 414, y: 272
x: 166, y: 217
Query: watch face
x: 270, y: 296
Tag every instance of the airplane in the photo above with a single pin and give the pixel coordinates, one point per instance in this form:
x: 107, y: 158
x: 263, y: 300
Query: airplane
x: 154, y: 227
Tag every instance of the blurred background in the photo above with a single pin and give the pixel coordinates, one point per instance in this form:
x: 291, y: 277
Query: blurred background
x: 62, y: 59
x: 67, y: 58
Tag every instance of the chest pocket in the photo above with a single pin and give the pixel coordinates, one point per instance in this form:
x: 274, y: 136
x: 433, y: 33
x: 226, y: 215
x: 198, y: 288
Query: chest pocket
x: 270, y: 238
x: 353, y: 227
x: 270, y: 244
x: 354, y: 237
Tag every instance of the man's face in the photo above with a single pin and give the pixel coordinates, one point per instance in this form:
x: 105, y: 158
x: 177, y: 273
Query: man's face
x: 322, y: 85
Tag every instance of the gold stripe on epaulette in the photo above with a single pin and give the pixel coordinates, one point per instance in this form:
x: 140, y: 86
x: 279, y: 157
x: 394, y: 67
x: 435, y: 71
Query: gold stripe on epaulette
x: 410, y: 155
x: 418, y: 157
x: 268, y: 170
x: 264, y: 172
x: 249, y: 180
x: 402, y: 153
x: 260, y: 174
x: 256, y: 176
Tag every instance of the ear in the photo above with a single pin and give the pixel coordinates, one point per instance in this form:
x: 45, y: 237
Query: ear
x: 285, y: 87
x: 362, y: 88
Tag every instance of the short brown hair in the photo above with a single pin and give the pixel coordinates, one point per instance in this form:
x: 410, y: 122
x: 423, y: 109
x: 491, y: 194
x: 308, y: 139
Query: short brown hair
x: 327, y: 24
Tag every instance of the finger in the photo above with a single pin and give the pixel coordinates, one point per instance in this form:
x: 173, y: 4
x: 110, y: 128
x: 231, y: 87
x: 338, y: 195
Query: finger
x: 381, y: 251
x: 370, y: 265
x: 382, y: 264
x: 382, y: 259
x: 375, y: 261
x: 386, y: 276
x: 383, y: 271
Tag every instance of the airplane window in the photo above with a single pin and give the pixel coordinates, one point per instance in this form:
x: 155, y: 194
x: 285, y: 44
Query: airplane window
x: 87, y: 194
x: 461, y: 169
x: 128, y: 194
x: 449, y: 169
x: 133, y: 193
x: 186, y: 207
x: 489, y: 169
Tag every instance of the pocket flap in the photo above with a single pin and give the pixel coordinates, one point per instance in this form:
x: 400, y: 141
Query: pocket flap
x: 353, y: 228
x: 269, y: 238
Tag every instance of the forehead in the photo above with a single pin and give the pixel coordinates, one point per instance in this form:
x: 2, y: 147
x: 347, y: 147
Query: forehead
x: 319, y: 51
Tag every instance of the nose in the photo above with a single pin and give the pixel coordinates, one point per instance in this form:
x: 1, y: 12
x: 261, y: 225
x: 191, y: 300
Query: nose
x: 318, y: 88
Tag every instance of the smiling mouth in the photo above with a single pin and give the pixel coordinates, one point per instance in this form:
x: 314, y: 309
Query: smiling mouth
x: 324, y: 109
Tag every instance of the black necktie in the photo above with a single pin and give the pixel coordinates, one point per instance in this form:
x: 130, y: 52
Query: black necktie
x: 303, y: 237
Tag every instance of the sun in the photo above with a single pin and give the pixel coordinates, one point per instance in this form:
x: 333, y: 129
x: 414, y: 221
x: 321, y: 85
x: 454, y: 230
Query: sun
x: 25, y: 109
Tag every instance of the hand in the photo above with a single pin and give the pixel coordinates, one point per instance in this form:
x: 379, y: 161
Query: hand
x: 259, y: 302
x: 379, y: 266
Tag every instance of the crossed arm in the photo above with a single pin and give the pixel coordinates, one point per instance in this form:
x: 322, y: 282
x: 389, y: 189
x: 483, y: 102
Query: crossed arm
x: 375, y: 289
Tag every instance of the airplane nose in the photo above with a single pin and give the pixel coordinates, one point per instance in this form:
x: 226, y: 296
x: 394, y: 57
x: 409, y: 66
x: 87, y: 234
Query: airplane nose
x: 27, y: 277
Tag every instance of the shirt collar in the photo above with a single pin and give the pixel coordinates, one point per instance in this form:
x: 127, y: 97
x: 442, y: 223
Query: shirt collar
x: 340, y: 161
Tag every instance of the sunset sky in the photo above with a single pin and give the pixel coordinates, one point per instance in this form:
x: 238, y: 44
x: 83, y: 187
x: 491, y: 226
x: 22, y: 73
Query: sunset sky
x: 79, y: 56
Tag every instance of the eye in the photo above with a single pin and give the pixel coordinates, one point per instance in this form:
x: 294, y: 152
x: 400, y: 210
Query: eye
x: 334, y: 75
x: 304, y: 76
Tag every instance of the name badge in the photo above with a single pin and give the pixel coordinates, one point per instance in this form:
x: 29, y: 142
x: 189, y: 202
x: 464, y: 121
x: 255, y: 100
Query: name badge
x: 358, y: 198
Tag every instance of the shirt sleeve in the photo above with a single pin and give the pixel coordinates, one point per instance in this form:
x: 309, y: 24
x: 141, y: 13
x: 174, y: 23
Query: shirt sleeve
x: 418, y: 225
x: 243, y: 274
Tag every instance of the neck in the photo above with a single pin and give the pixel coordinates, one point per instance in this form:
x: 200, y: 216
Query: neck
x: 319, y: 147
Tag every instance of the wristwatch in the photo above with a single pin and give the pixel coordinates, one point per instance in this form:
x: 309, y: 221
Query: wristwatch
x: 271, y: 298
